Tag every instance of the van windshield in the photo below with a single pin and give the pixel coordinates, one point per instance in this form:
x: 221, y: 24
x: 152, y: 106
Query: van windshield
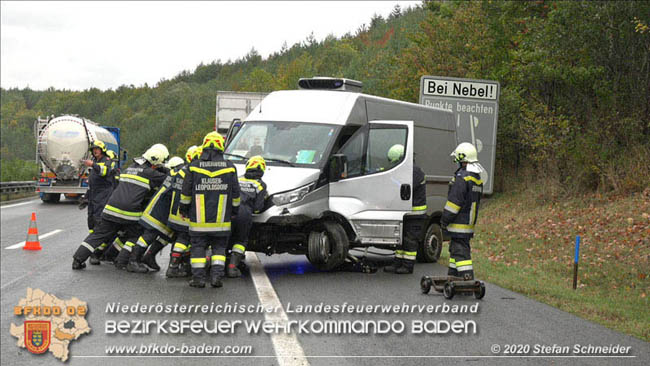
x: 297, y: 143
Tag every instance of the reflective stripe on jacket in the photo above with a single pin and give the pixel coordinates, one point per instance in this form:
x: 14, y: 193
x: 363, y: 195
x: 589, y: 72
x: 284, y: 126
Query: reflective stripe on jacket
x: 461, y: 210
x: 131, y: 196
x: 210, y: 194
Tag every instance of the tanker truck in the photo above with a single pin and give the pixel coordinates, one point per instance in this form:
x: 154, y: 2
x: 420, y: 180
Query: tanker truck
x: 61, y: 145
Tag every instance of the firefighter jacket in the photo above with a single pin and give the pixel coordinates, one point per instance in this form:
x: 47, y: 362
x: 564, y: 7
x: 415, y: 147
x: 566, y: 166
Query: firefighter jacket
x: 210, y: 194
x: 419, y: 191
x: 130, y: 197
x: 100, y: 185
x: 253, y: 191
x: 175, y: 221
x: 461, y: 210
x: 156, y: 214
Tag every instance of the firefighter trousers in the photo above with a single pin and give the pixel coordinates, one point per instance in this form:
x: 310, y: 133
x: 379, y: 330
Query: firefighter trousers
x: 413, y: 234
x: 460, y: 258
x: 241, y: 224
x: 217, y: 260
x: 104, y: 232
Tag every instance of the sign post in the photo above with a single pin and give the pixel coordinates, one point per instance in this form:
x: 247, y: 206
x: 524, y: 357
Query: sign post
x: 475, y: 104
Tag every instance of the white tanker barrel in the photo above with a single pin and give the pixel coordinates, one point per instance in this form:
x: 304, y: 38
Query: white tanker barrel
x: 64, y: 143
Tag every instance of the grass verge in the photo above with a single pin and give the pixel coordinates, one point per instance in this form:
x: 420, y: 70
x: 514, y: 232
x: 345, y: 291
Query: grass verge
x: 527, y: 245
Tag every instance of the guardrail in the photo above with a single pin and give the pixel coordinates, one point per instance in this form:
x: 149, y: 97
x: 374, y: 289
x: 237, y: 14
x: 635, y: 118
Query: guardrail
x: 17, y: 187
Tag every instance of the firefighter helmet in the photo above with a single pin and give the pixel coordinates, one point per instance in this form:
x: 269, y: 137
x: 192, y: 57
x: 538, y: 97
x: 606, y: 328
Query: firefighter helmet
x: 256, y: 162
x: 395, y: 153
x: 214, y: 140
x: 174, y: 162
x: 192, y: 153
x: 98, y: 144
x: 465, y: 153
x: 162, y: 149
x: 155, y: 156
x: 111, y: 154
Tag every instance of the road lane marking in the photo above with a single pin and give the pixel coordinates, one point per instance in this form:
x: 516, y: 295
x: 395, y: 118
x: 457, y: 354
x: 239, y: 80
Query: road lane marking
x: 22, y: 243
x: 18, y: 204
x: 287, y: 348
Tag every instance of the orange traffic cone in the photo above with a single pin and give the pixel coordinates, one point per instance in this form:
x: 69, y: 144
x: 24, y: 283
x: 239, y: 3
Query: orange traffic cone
x: 32, y: 243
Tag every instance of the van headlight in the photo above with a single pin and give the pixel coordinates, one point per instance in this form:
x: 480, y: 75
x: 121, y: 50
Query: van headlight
x: 296, y: 195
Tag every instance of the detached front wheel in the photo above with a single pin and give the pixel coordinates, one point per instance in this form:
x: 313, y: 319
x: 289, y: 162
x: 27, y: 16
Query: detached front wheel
x: 430, y: 249
x: 328, y: 247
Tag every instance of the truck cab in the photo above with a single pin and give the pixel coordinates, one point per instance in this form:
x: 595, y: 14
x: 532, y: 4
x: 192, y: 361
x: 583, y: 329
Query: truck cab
x: 331, y: 185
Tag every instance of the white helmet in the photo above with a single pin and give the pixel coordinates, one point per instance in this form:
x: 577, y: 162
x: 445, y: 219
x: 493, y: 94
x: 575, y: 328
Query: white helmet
x: 465, y: 153
x: 155, y: 156
x: 163, y: 149
x: 174, y: 162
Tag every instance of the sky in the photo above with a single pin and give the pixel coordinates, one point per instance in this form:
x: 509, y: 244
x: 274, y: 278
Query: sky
x: 78, y: 45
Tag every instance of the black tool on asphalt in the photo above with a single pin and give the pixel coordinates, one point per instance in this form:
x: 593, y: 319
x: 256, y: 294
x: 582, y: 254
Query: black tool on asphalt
x: 450, y: 285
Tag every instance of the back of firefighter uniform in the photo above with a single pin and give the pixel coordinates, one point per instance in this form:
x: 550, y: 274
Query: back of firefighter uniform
x: 414, y: 223
x: 210, y: 196
x: 179, y: 263
x: 154, y: 220
x: 124, y: 207
x: 461, y: 210
x: 253, y: 195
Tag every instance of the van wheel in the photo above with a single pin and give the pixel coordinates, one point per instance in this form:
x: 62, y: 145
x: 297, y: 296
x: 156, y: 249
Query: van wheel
x: 51, y: 197
x: 429, y: 250
x: 327, y: 248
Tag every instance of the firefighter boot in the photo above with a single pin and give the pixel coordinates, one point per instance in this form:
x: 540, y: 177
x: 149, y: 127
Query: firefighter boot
x: 77, y: 264
x: 174, y: 264
x: 216, y: 274
x: 149, y: 258
x: 135, y: 260
x: 406, y: 268
x: 94, y: 258
x: 393, y: 267
x: 185, y: 267
x: 233, y: 266
x: 198, y: 278
x: 122, y: 259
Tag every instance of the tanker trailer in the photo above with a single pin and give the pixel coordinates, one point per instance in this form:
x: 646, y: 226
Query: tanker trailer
x: 61, y: 145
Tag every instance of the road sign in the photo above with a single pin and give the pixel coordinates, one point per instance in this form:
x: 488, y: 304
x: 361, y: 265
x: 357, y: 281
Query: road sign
x: 475, y: 104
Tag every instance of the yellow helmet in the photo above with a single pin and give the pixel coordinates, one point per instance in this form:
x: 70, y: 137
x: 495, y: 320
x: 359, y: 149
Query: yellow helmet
x: 256, y: 162
x: 192, y: 153
x: 98, y: 144
x: 111, y: 154
x: 395, y: 153
x: 214, y: 140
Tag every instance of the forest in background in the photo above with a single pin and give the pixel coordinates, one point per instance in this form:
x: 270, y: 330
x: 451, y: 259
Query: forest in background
x: 574, y: 107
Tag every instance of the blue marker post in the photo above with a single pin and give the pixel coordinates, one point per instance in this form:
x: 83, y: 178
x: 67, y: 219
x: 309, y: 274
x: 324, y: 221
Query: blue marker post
x: 575, y: 263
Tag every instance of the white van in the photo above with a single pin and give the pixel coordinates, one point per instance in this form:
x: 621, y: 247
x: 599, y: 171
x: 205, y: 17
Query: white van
x: 330, y: 183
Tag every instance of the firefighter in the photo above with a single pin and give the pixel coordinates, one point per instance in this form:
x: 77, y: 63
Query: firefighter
x: 210, y: 196
x: 253, y: 195
x: 179, y: 263
x: 100, y: 187
x: 461, y: 210
x: 156, y: 233
x: 124, y: 207
x: 116, y: 168
x: 414, y: 222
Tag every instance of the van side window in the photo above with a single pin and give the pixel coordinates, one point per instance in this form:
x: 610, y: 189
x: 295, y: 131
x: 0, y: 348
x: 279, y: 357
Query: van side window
x: 380, y: 141
x: 353, y: 150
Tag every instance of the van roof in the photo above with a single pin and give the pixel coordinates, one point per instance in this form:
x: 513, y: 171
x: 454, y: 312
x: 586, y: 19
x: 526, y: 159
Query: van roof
x: 315, y: 106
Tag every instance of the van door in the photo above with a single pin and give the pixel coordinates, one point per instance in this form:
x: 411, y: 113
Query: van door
x: 376, y: 193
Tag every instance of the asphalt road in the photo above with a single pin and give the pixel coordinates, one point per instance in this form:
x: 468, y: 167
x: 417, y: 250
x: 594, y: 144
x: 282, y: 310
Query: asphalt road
x: 504, y: 318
